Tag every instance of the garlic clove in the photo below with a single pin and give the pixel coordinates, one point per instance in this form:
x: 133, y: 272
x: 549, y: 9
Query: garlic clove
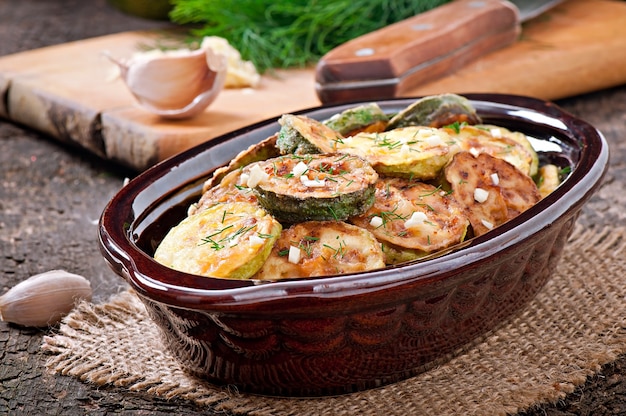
x: 178, y: 84
x: 239, y: 73
x: 44, y: 299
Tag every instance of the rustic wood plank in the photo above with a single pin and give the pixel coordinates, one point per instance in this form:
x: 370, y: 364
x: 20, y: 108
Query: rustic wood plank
x: 137, y: 138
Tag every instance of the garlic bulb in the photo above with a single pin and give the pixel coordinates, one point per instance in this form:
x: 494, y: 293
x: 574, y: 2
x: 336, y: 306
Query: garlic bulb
x: 174, y: 84
x: 44, y: 299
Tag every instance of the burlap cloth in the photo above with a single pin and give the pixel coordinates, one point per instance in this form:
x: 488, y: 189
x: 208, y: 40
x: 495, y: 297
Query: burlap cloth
x: 575, y: 324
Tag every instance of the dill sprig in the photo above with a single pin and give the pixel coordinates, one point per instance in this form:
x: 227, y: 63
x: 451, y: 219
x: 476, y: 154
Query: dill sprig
x: 229, y: 238
x: 291, y: 33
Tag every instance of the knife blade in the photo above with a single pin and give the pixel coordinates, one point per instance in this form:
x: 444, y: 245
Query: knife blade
x: 385, y: 63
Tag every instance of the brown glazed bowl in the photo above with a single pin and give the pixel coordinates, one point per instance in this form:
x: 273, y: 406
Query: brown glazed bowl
x: 340, y: 334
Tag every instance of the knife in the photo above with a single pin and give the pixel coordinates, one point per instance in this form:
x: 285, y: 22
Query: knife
x: 385, y: 63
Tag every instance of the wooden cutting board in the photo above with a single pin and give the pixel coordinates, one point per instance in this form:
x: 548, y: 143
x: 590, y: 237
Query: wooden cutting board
x: 67, y: 91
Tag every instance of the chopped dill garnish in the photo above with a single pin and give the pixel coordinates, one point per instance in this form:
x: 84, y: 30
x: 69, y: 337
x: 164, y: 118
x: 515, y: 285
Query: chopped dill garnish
x: 229, y: 238
x: 456, y: 126
x: 209, y: 238
x: 433, y: 192
x: 337, y: 252
x: 333, y: 213
x: 391, y: 216
x: 385, y: 142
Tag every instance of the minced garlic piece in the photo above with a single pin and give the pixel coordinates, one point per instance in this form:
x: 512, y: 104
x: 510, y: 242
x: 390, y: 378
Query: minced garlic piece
x: 497, y: 133
x: 480, y: 195
x: 376, y: 221
x: 257, y: 174
x: 487, y: 224
x: 256, y: 240
x: 312, y: 183
x: 299, y: 169
x: 294, y: 255
x: 434, y: 140
x: 417, y: 218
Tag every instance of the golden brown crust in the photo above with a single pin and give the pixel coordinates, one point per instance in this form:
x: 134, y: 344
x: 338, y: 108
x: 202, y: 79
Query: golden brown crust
x: 498, y: 142
x: 489, y: 200
x: 325, y: 248
x: 230, y: 240
x: 438, y: 220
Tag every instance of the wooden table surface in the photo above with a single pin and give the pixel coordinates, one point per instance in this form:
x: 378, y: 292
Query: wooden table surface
x: 51, y: 196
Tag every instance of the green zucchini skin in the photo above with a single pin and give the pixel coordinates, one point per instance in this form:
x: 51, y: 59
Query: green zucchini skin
x: 367, y: 117
x: 303, y: 135
x: 436, y: 111
x: 345, y: 187
x: 289, y: 209
x: 394, y: 254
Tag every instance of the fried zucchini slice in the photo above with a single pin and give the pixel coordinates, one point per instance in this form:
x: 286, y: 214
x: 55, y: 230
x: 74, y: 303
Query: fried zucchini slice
x: 549, y: 179
x: 414, y: 215
x: 322, y: 248
x: 491, y: 189
x: 521, y: 139
x: 396, y: 254
x: 230, y: 240
x: 436, y: 111
x: 296, y: 188
x: 261, y: 151
x: 499, y: 142
x: 410, y: 152
x: 303, y: 135
x: 228, y: 190
x: 368, y: 118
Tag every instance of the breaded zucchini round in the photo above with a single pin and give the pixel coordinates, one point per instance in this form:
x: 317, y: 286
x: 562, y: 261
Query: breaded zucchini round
x: 499, y: 142
x: 414, y: 215
x: 230, y: 240
x: 436, y: 111
x: 409, y: 152
x: 260, y: 151
x: 313, y: 187
x: 492, y: 190
x: 321, y: 248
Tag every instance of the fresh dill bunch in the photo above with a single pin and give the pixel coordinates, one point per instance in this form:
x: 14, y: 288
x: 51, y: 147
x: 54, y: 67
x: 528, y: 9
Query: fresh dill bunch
x: 291, y: 33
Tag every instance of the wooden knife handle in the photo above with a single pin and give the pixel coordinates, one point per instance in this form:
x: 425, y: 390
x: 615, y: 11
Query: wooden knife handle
x: 384, y: 63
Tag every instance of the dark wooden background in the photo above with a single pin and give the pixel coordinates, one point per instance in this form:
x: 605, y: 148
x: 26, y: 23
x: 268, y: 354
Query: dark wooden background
x: 51, y: 197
